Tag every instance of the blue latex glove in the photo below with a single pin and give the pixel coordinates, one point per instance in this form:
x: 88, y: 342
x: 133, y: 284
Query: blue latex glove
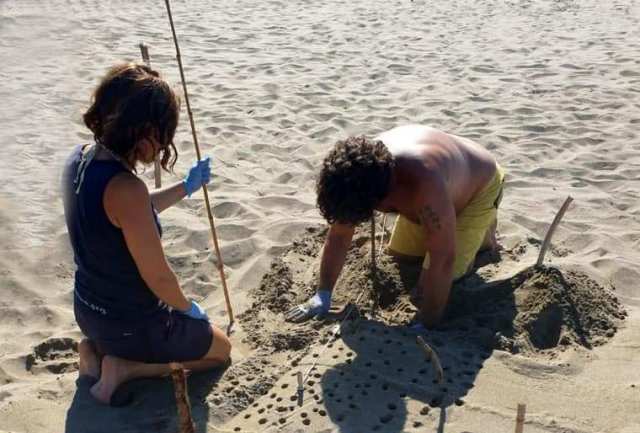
x: 199, y: 175
x: 318, y: 305
x: 196, y: 312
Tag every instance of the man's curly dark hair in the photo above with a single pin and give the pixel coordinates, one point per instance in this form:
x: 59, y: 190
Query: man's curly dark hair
x: 354, y: 178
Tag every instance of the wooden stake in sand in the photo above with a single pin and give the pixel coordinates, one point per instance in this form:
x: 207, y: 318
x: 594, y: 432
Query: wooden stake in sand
x: 384, y: 230
x: 182, y: 398
x: 552, y: 228
x: 433, y: 357
x: 220, y: 264
x: 373, y: 243
x: 157, y: 174
x: 522, y: 408
x: 300, y: 389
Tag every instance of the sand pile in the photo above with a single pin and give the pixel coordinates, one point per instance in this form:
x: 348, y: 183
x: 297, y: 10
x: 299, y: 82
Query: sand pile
x: 539, y: 310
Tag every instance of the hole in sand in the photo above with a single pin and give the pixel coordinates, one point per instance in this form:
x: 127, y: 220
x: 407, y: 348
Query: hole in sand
x: 306, y: 421
x: 262, y: 421
x: 386, y: 418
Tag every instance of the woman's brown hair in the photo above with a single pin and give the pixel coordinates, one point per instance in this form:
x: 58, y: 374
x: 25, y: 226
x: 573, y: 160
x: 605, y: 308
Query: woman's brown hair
x: 132, y: 103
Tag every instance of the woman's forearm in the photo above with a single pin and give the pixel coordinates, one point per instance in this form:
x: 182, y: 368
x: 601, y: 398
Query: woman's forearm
x: 168, y: 291
x: 166, y: 197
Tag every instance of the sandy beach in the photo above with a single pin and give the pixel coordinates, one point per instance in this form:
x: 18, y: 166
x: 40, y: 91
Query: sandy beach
x: 551, y: 88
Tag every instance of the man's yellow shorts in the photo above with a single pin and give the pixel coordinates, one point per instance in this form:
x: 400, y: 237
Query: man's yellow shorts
x: 472, y: 224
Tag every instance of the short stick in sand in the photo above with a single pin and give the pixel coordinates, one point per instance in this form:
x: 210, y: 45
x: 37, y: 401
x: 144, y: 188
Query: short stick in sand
x: 552, y: 228
x: 522, y: 408
x: 384, y: 229
x: 157, y: 174
x: 220, y: 264
x: 182, y: 398
x: 373, y: 243
x: 300, y: 389
x: 433, y: 357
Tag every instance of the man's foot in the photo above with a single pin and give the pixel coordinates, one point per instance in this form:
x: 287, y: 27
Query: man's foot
x: 115, y: 372
x: 490, y: 242
x: 89, y: 362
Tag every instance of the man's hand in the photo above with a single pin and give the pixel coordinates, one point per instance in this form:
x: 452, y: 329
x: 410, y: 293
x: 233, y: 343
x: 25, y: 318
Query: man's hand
x: 318, y: 305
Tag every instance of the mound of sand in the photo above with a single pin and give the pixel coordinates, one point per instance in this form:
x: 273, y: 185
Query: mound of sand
x: 537, y: 311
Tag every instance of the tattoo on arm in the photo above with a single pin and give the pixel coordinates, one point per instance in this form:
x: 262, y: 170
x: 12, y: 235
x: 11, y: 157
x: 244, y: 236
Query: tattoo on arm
x: 429, y: 219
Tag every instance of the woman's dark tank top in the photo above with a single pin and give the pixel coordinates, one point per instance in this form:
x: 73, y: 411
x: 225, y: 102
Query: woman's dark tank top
x: 107, y: 280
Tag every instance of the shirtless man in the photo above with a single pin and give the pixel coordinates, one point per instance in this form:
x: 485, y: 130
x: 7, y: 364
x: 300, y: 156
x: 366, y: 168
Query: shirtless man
x: 445, y: 189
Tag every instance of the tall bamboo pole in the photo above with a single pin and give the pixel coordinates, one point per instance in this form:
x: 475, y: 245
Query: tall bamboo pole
x: 220, y: 264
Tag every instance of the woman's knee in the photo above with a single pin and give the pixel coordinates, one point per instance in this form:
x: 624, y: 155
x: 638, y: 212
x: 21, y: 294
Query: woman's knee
x: 220, y: 348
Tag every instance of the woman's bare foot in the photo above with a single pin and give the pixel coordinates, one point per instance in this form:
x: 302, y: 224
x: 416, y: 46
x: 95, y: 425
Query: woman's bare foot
x: 115, y: 372
x: 89, y: 362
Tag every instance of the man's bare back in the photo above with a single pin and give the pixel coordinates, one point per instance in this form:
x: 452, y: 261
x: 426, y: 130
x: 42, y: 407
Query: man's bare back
x: 465, y: 166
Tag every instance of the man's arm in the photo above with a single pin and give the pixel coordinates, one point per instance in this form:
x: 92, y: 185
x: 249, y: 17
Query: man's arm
x: 334, y: 253
x: 438, y: 219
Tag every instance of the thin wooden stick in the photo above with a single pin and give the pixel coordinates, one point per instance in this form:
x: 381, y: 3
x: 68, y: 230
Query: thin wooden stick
x: 157, y: 174
x: 182, y: 398
x: 300, y: 389
x: 433, y: 357
x: 220, y: 264
x: 384, y: 231
x: 522, y: 408
x: 373, y: 243
x: 552, y: 228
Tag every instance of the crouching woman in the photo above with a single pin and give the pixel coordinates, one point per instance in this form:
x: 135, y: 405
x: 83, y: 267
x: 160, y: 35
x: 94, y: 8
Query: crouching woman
x: 127, y: 300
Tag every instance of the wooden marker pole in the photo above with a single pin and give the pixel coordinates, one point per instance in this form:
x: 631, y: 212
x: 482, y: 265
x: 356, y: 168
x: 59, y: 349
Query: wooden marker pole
x: 220, y: 264
x: 182, y: 398
x: 552, y: 228
x: 522, y: 408
x: 157, y: 173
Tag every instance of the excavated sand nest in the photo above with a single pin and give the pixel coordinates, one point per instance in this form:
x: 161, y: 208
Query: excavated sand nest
x: 538, y: 310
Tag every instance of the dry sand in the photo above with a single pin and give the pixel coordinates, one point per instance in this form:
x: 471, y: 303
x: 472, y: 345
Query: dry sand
x: 552, y: 88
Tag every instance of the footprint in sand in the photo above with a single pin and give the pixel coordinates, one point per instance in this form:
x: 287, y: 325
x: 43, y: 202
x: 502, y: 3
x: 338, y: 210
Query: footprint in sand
x: 54, y: 355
